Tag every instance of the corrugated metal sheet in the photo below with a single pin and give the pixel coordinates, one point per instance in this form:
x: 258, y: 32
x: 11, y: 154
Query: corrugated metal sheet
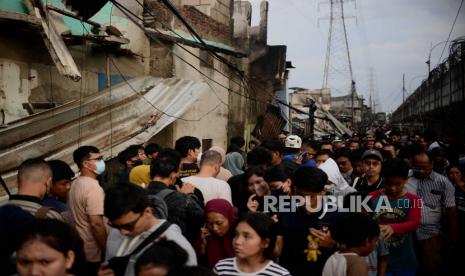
x: 110, y: 120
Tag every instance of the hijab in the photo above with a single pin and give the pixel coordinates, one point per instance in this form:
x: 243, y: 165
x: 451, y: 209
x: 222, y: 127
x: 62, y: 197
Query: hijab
x: 234, y: 163
x: 219, y: 248
x: 338, y: 185
x: 140, y: 175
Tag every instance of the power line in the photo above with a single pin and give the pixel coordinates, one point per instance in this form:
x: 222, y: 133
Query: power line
x: 451, y: 29
x: 173, y: 9
x: 181, y: 37
x: 156, y: 108
x: 150, y: 103
x: 246, y: 87
x: 125, y: 11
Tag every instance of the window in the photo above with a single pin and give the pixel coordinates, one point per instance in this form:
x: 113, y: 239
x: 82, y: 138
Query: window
x: 206, y: 144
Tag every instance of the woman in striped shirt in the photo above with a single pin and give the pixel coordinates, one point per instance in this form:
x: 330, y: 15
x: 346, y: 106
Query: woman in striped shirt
x: 253, y: 245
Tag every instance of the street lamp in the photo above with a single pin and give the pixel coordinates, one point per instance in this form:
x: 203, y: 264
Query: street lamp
x: 430, y: 51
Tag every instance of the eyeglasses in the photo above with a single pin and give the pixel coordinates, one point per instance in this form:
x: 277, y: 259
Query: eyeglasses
x: 96, y: 159
x: 127, y: 226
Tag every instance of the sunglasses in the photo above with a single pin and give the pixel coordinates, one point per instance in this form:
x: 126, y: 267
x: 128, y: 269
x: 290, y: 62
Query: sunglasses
x: 127, y: 226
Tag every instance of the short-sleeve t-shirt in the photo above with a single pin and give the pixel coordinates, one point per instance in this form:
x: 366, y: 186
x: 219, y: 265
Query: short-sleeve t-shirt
x: 188, y: 169
x: 210, y: 187
x: 345, y: 264
x: 229, y: 267
x: 85, y: 199
x: 401, y: 252
x: 296, y: 231
x: 372, y: 259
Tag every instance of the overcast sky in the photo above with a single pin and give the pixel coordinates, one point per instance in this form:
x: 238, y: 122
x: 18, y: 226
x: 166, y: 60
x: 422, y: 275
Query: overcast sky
x: 392, y: 36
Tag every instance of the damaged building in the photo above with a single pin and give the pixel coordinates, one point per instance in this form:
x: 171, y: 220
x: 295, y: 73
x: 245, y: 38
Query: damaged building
x: 116, y: 73
x: 325, y: 122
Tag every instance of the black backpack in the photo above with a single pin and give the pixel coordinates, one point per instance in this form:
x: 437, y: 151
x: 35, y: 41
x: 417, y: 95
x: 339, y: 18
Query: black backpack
x: 158, y: 204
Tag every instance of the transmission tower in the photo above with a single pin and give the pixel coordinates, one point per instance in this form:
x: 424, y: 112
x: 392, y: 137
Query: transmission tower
x: 338, y: 66
x: 338, y: 75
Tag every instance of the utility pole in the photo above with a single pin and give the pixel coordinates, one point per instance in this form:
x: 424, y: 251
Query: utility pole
x: 403, y: 100
x: 371, y: 82
x: 403, y: 88
x: 353, y: 94
x: 311, y: 118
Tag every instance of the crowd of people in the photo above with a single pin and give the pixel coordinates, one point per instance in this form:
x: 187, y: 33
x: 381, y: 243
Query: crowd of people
x: 378, y: 203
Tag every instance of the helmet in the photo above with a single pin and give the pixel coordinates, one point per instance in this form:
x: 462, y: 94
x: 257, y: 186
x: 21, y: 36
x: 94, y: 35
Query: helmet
x: 337, y: 139
x: 293, y: 141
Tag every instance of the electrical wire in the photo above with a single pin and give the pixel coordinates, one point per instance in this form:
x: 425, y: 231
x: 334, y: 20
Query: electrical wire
x: 151, y: 104
x: 159, y: 110
x: 125, y: 11
x: 245, y: 85
x: 181, y: 37
x: 451, y: 29
x: 196, y: 37
x: 173, y: 9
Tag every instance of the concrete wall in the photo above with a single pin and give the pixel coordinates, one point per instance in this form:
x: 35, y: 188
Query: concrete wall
x: 24, y: 79
x: 204, y: 22
x: 218, y: 10
x: 28, y: 74
x: 214, y: 124
x: 242, y: 18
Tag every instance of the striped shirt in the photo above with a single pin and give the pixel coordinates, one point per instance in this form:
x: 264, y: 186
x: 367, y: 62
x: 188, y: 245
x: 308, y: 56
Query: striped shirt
x: 31, y: 205
x: 229, y: 267
x: 436, y: 193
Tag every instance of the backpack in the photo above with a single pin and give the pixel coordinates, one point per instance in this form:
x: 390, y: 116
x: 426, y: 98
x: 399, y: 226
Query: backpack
x: 194, y: 217
x: 158, y: 204
x: 119, y: 264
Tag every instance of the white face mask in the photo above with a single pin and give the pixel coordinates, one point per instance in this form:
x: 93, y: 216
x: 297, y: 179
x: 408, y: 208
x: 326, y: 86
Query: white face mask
x: 100, y: 167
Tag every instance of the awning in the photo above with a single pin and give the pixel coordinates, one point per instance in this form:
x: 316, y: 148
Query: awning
x: 110, y: 120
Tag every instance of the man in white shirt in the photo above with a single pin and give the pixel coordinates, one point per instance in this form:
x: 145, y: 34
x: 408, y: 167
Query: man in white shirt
x: 205, y: 180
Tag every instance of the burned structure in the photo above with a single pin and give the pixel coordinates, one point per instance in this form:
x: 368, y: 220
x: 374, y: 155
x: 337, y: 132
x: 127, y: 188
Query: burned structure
x: 131, y: 72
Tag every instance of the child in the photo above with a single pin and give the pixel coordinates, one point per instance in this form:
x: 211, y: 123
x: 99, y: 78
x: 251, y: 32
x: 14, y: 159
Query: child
x: 253, y: 246
x: 377, y: 259
x: 399, y: 220
x: 358, y: 235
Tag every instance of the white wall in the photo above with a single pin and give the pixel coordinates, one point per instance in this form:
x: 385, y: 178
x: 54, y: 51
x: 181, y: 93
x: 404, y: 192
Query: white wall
x: 214, y: 125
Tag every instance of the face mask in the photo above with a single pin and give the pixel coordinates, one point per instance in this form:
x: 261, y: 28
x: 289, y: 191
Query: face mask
x: 100, y: 167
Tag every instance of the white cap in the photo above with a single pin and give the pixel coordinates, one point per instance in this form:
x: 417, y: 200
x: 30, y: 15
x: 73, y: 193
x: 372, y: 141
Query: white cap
x: 293, y: 141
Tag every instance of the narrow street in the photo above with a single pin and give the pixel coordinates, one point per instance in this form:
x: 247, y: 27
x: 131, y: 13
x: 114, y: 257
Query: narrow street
x: 232, y: 137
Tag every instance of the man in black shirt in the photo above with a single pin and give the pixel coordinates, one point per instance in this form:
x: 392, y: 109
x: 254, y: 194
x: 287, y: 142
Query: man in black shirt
x: 189, y: 149
x: 184, y: 208
x: 371, y: 179
x: 307, y: 225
